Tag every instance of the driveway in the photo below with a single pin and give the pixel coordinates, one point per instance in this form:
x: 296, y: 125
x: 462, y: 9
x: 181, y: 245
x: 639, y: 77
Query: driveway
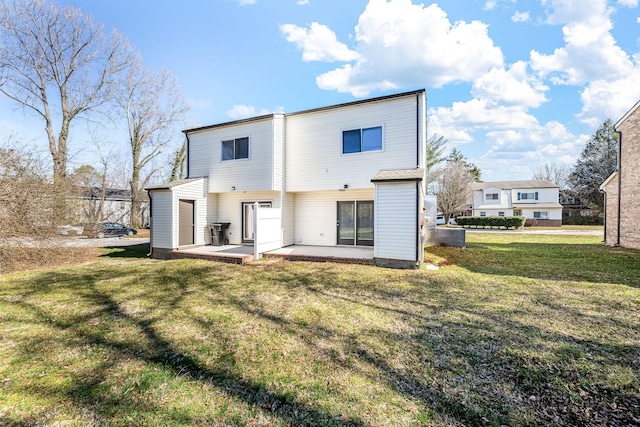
x: 542, y: 231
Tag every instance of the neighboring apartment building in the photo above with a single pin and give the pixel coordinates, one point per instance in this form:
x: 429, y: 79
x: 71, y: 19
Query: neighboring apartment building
x: 109, y: 205
x: 348, y: 175
x: 622, y: 187
x: 536, y: 200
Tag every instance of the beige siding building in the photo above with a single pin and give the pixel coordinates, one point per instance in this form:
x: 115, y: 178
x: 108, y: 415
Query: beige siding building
x: 622, y: 188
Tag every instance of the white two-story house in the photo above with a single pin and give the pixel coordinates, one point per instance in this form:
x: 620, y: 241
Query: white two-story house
x: 344, y: 175
x: 536, y: 200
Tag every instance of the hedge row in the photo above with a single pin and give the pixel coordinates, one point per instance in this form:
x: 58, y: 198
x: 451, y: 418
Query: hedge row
x: 491, y: 221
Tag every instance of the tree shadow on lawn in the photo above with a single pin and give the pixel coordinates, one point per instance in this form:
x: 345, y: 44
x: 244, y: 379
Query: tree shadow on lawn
x: 140, y: 251
x: 566, y: 262
x: 465, y: 363
x: 88, y: 391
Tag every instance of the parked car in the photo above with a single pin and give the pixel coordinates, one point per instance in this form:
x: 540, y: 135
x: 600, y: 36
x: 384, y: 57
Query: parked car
x: 109, y: 229
x: 440, y: 220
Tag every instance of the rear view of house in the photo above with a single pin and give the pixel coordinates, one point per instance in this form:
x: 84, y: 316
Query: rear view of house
x: 622, y: 187
x: 347, y: 175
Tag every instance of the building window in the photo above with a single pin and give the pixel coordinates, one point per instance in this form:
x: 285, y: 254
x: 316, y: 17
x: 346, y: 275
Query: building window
x: 500, y: 213
x: 528, y: 196
x: 235, y: 149
x: 541, y: 215
x: 483, y: 214
x: 491, y: 196
x: 359, y: 140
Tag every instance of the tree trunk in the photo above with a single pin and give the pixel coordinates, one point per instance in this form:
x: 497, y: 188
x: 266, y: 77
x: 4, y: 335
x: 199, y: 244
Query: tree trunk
x: 135, y: 198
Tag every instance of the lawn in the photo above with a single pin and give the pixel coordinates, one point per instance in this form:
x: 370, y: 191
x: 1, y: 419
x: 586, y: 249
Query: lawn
x: 514, y: 330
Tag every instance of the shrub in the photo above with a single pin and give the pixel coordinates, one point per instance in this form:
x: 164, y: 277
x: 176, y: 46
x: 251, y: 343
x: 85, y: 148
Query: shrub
x: 491, y: 221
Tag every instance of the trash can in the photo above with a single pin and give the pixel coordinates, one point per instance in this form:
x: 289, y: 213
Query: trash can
x: 217, y: 233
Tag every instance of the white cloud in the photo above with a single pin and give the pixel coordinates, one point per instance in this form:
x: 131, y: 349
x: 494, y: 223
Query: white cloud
x: 628, y: 3
x: 591, y: 59
x: 318, y: 43
x: 302, y: 2
x: 241, y: 111
x: 511, y: 87
x: 520, y: 17
x: 490, y: 5
x: 403, y: 44
x: 246, y: 2
x: 603, y: 99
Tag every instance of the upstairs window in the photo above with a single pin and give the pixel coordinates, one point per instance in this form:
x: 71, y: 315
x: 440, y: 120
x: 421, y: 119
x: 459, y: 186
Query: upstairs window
x: 359, y: 140
x: 491, y: 196
x: 528, y: 196
x: 235, y: 149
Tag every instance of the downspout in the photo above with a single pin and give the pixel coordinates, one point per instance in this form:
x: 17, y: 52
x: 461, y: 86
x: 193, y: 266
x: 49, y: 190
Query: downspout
x: 417, y: 129
x: 619, y: 185
x: 418, y: 243
x: 417, y: 185
x: 186, y: 134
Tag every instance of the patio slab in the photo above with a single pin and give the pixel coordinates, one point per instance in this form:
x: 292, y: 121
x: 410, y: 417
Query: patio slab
x: 341, y: 254
x: 239, y: 254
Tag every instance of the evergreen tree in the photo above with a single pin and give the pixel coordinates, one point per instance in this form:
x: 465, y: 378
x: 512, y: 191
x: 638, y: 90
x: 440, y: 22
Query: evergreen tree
x: 598, y: 160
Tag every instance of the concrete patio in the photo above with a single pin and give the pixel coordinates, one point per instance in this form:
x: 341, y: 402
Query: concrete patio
x: 238, y: 254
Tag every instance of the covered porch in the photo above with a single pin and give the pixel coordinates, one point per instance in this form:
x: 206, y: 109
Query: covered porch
x: 238, y: 254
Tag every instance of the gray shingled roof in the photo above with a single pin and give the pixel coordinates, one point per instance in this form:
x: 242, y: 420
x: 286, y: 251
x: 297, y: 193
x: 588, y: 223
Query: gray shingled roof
x: 399, y: 175
x: 509, y: 185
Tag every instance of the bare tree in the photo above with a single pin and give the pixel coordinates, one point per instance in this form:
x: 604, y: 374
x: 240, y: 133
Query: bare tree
x: 453, y: 186
x: 554, y: 173
x: 56, y: 63
x: 434, y: 156
x: 152, y: 106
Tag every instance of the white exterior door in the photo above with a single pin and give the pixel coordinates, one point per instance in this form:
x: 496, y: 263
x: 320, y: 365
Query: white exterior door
x: 248, y: 218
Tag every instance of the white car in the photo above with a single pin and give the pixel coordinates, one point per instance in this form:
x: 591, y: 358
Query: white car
x: 440, y: 220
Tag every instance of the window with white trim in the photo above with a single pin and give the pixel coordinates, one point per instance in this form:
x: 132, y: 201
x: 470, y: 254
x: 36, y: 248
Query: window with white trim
x: 491, y: 196
x: 234, y: 149
x: 528, y: 196
x: 541, y: 215
x: 483, y: 214
x: 359, y: 140
x: 500, y: 213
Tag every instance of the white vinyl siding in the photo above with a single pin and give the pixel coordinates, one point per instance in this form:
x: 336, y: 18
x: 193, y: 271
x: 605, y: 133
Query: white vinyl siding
x: 278, y: 152
x: 545, y: 195
x: 162, y: 229
x: 551, y: 213
x: 165, y: 213
x: 314, y: 159
x: 253, y: 174
x: 229, y: 209
x: 316, y: 215
x: 395, y: 221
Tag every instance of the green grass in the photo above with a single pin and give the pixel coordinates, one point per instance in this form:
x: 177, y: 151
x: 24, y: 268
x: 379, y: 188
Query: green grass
x: 514, y: 330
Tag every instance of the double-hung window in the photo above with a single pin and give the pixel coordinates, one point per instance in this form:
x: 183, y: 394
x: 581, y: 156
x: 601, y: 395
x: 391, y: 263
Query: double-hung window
x: 492, y: 196
x: 359, y: 140
x: 528, y: 196
x: 235, y: 149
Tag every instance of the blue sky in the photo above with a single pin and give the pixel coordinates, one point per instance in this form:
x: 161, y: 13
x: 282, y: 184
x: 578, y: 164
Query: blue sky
x: 512, y: 84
